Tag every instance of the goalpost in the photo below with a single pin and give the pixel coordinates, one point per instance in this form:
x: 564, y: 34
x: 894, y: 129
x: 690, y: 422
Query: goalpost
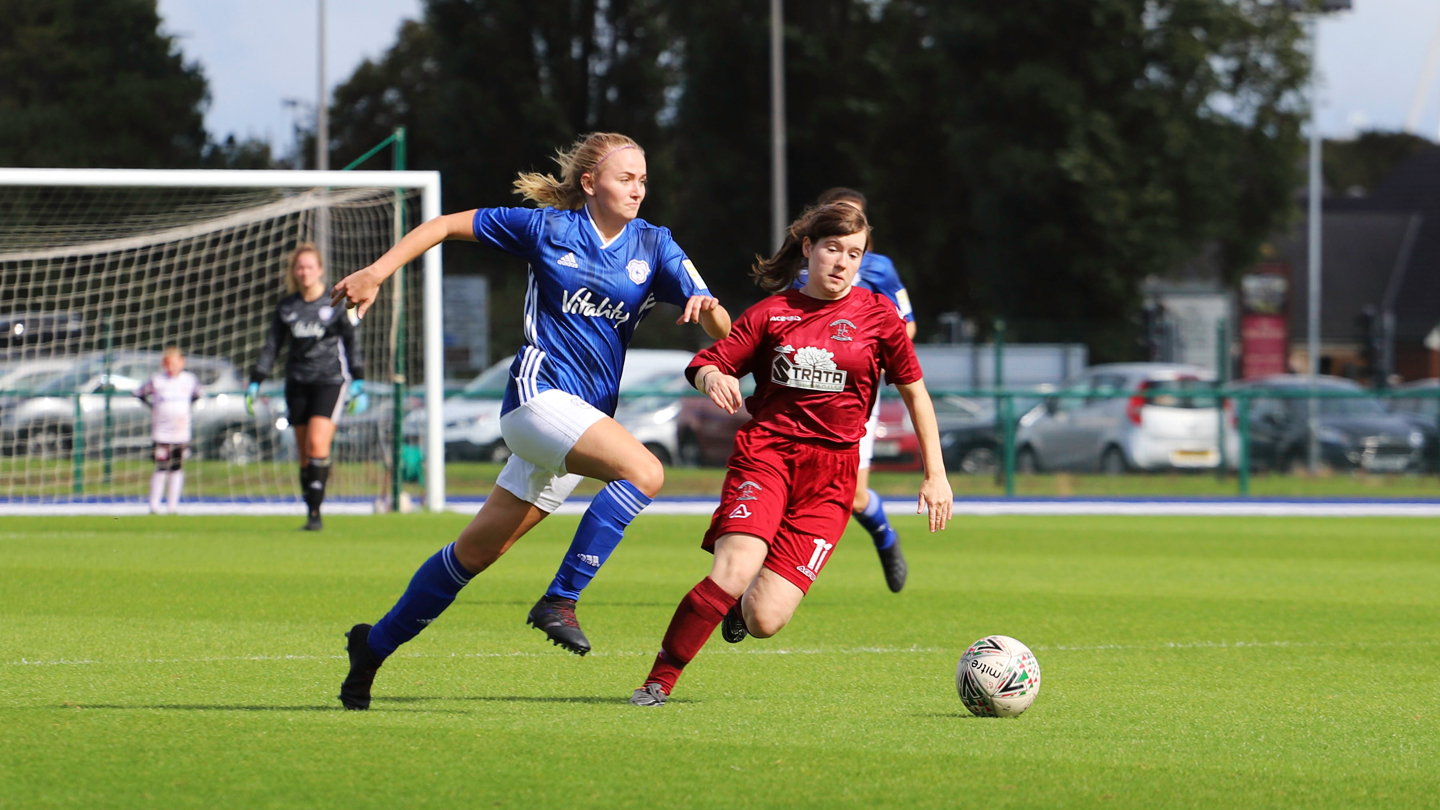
x: 107, y: 267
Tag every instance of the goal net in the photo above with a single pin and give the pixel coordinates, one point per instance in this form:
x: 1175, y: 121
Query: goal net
x: 101, y: 270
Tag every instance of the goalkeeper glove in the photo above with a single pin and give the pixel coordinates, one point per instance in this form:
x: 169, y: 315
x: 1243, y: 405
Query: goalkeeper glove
x: 250, y: 394
x: 359, y: 400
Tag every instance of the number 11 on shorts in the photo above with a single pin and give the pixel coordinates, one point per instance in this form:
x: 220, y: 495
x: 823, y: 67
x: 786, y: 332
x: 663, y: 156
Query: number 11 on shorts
x: 817, y: 559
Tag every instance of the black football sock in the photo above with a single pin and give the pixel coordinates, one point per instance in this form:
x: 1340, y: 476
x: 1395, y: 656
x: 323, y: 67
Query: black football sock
x: 319, y: 469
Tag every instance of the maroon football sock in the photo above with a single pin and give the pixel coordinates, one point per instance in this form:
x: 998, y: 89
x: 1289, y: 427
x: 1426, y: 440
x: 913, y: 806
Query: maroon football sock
x: 695, y: 619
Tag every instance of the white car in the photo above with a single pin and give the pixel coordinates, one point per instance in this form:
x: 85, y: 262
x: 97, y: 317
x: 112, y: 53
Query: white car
x: 29, y: 375
x: 472, y: 416
x: 1114, y: 426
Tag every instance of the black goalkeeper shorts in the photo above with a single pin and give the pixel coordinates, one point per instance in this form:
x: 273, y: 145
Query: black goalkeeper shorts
x: 304, y: 401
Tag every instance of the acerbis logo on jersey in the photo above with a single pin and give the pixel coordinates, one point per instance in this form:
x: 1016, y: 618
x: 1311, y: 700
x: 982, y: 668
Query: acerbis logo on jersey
x: 638, y: 270
x: 774, y: 318
x: 842, y: 328
x: 740, y: 511
x: 810, y: 368
x: 748, y: 490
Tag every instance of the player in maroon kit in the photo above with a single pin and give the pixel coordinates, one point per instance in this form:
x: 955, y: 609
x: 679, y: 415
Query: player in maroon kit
x: 817, y: 354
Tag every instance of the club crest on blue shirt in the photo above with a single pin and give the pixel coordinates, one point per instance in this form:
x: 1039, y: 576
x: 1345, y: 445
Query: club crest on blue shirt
x: 639, y: 270
x: 326, y: 312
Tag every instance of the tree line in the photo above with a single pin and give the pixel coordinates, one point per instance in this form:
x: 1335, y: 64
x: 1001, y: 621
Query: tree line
x: 1031, y: 161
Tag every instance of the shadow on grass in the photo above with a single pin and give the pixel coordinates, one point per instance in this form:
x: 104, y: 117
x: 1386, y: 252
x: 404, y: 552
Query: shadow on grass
x: 197, y: 707
x: 201, y: 707
x: 590, y: 699
x: 591, y: 604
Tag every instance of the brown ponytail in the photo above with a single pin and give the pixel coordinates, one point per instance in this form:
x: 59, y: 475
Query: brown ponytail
x: 583, y: 157
x: 778, y: 273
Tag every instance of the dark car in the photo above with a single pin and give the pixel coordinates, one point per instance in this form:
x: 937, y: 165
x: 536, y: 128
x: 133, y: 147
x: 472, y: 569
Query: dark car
x: 967, y: 435
x: 970, y: 446
x: 1422, y: 409
x: 27, y: 335
x: 1354, y: 433
x: 679, y: 424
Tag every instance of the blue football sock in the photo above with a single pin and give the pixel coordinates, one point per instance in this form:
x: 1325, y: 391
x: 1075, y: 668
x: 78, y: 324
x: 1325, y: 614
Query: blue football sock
x: 431, y: 590
x: 599, y: 533
x: 874, y: 520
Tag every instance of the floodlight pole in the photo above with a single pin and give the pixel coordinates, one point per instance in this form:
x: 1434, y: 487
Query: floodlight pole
x: 778, y: 193
x: 1312, y: 339
x: 322, y: 134
x: 322, y: 114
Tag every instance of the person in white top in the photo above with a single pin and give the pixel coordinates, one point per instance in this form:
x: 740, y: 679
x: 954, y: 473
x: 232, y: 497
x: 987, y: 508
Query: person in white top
x: 169, y: 395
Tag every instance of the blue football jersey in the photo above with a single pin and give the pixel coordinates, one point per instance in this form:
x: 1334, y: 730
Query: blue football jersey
x: 583, y: 301
x: 877, y: 274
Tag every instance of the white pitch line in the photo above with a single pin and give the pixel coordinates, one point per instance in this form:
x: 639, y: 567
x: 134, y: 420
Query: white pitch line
x: 701, y: 507
x: 1169, y: 645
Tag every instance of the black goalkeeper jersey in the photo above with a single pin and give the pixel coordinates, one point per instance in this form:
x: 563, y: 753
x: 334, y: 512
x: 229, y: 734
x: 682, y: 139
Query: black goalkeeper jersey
x: 323, y: 347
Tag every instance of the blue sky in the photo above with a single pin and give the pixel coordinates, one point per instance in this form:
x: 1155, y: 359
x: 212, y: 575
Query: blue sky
x: 258, y: 53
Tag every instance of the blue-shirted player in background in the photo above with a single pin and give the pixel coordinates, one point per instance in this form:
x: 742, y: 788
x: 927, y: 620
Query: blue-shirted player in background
x: 877, y: 274
x: 595, y: 270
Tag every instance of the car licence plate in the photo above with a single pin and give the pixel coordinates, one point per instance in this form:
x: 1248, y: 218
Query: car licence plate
x: 1192, y: 458
x: 887, y: 449
x: 1387, y: 464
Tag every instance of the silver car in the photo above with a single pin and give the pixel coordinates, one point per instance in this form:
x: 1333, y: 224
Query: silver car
x: 472, y: 417
x: 1114, y: 425
x: 44, y: 424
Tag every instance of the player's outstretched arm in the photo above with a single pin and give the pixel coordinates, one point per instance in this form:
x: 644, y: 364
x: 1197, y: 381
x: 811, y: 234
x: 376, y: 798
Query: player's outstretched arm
x: 722, y: 389
x: 707, y: 311
x: 360, y: 288
x: 935, y: 489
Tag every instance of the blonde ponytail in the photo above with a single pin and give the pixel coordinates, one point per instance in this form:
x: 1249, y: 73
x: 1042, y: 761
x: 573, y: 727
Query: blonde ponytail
x: 582, y: 158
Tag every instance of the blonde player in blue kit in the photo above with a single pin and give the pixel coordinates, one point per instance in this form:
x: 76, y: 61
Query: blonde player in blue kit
x: 595, y: 271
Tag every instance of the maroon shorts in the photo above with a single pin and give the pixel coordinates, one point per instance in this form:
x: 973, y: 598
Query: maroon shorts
x: 794, y: 496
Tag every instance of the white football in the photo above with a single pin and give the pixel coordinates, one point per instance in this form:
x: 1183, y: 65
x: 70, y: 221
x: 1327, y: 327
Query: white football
x: 998, y: 677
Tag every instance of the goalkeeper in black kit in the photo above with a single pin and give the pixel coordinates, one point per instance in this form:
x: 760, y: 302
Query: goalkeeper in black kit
x: 324, y: 361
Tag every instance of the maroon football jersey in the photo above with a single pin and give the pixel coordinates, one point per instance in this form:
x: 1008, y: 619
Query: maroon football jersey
x: 817, y: 363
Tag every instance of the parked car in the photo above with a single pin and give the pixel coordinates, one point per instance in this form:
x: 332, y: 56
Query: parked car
x: 44, y: 424
x: 31, y: 335
x: 1424, y: 413
x: 472, y: 418
x: 969, y: 442
x: 1353, y: 433
x: 897, y: 447
x: 472, y: 415
x: 1104, y: 429
x: 29, y: 375
x: 660, y: 408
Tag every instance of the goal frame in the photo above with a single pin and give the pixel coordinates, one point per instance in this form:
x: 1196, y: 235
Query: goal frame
x: 428, y: 184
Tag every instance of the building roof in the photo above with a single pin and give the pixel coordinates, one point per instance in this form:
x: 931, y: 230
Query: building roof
x: 1359, y: 254
x: 1413, y: 188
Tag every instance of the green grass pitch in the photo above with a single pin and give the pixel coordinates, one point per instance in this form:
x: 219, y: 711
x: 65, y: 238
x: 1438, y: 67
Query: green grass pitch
x: 1217, y: 663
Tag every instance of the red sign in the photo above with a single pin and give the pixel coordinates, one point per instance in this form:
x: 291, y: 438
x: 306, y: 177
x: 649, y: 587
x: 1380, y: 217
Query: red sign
x: 1265, y: 340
